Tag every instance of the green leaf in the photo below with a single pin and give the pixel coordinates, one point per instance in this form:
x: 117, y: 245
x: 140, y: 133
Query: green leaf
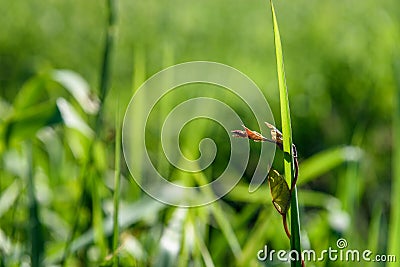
x: 9, y: 196
x: 240, y: 193
x: 279, y: 191
x: 24, y: 123
x: 315, y: 199
x: 128, y: 215
x: 100, y: 155
x: 325, y: 161
x: 78, y: 88
x: 72, y: 119
x: 32, y: 92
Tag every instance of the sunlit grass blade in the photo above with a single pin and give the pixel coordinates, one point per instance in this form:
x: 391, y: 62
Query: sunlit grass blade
x: 319, y: 164
x: 187, y: 244
x: 375, y: 227
x: 171, y: 239
x: 221, y: 219
x: 138, y: 78
x: 79, y: 88
x: 226, y: 229
x: 394, y: 226
x: 9, y: 196
x: 315, y: 199
x: 144, y: 208
x: 287, y: 139
x: 256, y: 239
x: 105, y: 75
x: 240, y: 194
x: 208, y: 262
x: 97, y: 213
x: 68, y: 243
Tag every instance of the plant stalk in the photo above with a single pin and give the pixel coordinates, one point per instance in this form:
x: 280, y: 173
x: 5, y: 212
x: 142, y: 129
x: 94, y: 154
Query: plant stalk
x: 105, y: 72
x: 290, y: 167
x: 117, y: 180
x: 37, y: 240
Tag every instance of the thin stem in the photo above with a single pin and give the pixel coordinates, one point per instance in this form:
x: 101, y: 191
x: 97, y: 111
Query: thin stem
x: 285, y: 225
x: 105, y: 71
x: 37, y: 241
x: 296, y: 168
x: 117, y: 180
x: 67, y: 249
x: 104, y: 86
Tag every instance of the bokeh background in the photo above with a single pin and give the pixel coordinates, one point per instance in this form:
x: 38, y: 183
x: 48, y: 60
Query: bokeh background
x: 57, y: 153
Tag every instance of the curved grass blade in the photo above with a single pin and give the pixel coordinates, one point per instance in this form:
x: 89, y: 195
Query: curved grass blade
x: 221, y: 219
x: 325, y: 161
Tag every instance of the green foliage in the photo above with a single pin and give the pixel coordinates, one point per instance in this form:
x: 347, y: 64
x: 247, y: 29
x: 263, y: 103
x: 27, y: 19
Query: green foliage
x: 279, y: 191
x: 394, y: 226
x: 58, y: 165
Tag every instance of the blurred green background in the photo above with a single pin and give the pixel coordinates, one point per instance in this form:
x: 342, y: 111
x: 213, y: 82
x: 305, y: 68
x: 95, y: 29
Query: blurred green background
x: 57, y: 155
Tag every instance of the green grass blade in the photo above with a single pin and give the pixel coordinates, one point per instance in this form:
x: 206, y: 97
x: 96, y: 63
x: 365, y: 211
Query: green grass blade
x: 37, y: 240
x: 138, y: 78
x: 240, y: 194
x: 117, y: 180
x: 108, y: 46
x: 315, y: 199
x: 171, y: 239
x: 221, y: 219
x: 9, y: 196
x: 144, y: 208
x: 226, y: 228
x: 105, y: 72
x: 287, y: 139
x: 256, y: 239
x: 325, y: 161
x: 375, y: 226
x: 208, y: 262
x: 394, y: 225
x: 97, y: 213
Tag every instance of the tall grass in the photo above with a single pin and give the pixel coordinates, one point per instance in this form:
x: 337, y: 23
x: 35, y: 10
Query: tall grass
x: 89, y: 174
x: 287, y: 141
x: 394, y: 225
x: 62, y: 204
x: 105, y: 72
x: 117, y: 181
x: 37, y: 240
